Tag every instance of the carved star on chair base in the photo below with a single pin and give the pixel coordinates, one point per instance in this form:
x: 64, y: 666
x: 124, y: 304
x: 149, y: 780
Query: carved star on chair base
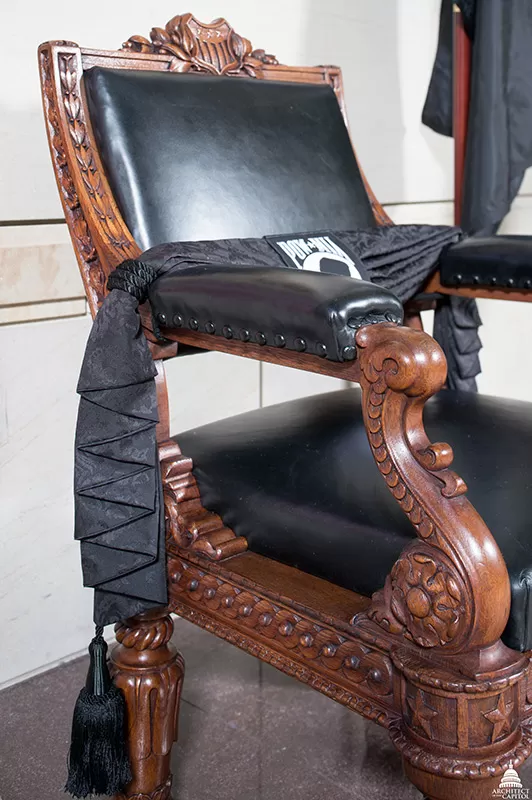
x: 422, y: 713
x: 500, y: 718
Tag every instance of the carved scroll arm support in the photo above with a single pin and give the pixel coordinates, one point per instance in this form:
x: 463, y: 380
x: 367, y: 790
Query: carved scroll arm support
x: 449, y: 590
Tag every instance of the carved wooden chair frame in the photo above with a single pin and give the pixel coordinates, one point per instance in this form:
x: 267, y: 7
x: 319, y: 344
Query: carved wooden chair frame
x: 422, y: 657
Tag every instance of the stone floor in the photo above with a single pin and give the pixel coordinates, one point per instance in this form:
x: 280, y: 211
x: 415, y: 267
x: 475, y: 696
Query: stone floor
x: 247, y: 732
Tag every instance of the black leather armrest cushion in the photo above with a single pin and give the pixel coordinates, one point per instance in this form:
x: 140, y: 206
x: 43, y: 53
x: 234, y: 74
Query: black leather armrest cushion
x: 311, y: 312
x: 488, y: 261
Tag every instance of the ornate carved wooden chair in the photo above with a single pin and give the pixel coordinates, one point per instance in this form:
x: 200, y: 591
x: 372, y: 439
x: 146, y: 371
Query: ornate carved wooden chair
x: 362, y: 570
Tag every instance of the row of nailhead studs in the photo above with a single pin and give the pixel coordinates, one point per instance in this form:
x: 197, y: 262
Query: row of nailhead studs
x: 348, y: 352
x: 260, y: 337
x: 493, y: 281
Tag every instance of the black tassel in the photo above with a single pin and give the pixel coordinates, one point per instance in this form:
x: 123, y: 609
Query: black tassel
x: 98, y: 761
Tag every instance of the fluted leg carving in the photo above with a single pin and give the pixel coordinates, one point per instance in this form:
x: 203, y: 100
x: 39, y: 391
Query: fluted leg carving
x: 149, y: 670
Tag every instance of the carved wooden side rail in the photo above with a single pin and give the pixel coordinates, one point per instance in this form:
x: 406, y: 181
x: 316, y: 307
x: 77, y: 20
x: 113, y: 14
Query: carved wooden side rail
x: 334, y: 661
x: 188, y: 523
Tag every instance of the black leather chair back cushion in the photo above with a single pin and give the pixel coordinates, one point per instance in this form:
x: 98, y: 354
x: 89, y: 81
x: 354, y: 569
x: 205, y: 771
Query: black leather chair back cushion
x: 195, y: 157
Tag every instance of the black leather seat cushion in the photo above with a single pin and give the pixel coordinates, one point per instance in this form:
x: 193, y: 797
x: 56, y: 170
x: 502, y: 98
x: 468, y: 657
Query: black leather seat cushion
x: 489, y: 261
x: 299, y: 482
x: 193, y: 157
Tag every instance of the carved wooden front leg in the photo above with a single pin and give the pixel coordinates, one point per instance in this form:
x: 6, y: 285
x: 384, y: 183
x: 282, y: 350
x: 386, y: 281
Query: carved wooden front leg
x: 148, y: 668
x: 460, y: 691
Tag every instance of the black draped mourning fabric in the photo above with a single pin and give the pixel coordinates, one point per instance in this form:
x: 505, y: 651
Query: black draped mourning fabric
x: 118, y: 509
x: 499, y: 139
x: 119, y: 516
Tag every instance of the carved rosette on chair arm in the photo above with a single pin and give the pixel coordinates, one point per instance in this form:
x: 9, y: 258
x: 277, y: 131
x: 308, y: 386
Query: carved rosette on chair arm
x: 447, y: 598
x: 150, y: 671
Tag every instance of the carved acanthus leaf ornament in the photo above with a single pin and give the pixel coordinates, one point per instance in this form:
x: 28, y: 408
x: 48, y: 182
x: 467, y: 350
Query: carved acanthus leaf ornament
x: 195, y: 46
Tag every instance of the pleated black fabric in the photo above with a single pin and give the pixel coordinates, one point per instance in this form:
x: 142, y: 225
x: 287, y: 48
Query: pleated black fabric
x: 118, y: 511
x: 499, y: 144
x: 456, y: 324
x: 119, y: 516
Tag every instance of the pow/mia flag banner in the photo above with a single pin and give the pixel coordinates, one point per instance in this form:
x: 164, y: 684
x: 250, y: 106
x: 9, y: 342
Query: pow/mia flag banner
x: 319, y: 252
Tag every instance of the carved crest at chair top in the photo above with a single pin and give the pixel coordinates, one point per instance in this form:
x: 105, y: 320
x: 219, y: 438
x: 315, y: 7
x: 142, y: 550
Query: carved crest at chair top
x: 200, y: 47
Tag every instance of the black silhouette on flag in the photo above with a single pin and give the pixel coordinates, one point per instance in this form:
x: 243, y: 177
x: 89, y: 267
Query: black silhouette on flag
x: 319, y: 252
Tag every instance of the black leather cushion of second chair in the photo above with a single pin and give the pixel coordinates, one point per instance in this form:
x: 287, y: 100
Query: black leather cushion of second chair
x: 299, y: 482
x: 489, y: 261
